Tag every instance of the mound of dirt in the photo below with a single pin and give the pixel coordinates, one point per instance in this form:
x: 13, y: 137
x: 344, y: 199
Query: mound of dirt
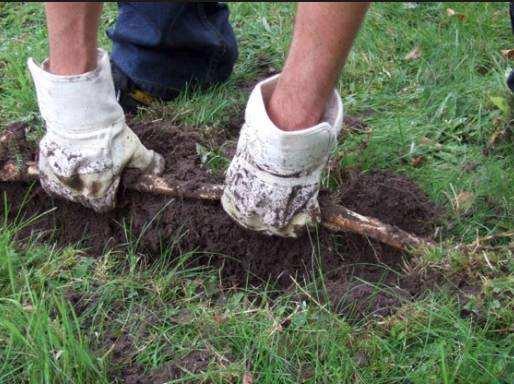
x: 14, y: 146
x: 244, y: 257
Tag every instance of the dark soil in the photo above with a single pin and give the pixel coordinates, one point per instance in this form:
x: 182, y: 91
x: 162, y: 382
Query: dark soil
x: 16, y: 149
x: 194, y: 363
x: 243, y: 256
x: 123, y: 356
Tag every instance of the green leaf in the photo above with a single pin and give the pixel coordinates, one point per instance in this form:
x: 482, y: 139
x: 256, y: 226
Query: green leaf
x: 501, y: 104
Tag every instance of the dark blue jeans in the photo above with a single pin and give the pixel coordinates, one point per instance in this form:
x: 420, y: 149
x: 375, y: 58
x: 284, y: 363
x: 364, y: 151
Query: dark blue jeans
x: 162, y: 47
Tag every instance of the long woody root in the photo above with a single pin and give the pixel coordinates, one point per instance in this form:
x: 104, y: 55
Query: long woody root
x: 334, y: 217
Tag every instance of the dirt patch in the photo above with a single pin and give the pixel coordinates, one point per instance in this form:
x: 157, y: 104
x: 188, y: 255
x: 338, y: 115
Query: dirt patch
x: 125, y: 367
x: 14, y: 147
x: 243, y: 257
x: 193, y: 363
x: 355, y: 124
x: 389, y: 197
x: 361, y: 276
x: 356, y: 298
x: 80, y: 301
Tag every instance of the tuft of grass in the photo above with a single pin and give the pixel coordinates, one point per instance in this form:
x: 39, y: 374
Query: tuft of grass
x: 41, y: 337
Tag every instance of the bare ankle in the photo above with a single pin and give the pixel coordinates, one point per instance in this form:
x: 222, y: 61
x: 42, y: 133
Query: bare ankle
x: 72, y: 35
x: 71, y: 67
x: 293, y: 110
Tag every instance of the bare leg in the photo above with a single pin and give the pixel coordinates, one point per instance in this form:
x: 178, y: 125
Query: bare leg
x: 323, y: 36
x: 72, y: 35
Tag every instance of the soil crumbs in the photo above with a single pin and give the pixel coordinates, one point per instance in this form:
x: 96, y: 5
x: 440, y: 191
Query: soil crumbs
x: 243, y: 257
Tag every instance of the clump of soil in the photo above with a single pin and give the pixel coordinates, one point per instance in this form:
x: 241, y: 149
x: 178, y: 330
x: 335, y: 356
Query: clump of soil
x: 391, y: 198
x: 14, y: 147
x: 244, y: 257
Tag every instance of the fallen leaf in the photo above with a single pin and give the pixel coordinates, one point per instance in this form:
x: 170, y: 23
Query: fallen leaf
x: 414, y: 54
x: 452, y: 13
x: 426, y: 141
x: 417, y: 161
x: 430, y: 143
x: 508, y: 53
x: 247, y: 378
x: 464, y: 200
x: 497, y: 137
x: 219, y: 319
x: 501, y: 104
x: 497, y: 121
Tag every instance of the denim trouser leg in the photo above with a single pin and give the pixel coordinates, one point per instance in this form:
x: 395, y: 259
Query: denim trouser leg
x: 163, y: 46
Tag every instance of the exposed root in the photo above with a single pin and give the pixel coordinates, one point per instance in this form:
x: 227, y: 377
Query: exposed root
x: 334, y: 217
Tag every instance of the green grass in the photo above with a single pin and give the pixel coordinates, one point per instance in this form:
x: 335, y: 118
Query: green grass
x: 445, y: 107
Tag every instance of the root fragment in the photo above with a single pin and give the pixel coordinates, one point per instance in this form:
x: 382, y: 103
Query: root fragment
x: 334, y: 217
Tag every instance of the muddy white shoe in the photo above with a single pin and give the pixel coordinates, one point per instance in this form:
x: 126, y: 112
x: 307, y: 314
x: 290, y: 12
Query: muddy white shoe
x: 272, y: 183
x: 87, y: 143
